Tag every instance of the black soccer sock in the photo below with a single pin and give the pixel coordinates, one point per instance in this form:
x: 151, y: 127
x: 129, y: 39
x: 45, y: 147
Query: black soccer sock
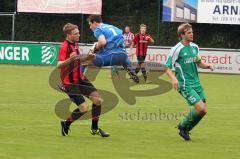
x: 129, y: 70
x: 96, y: 111
x: 144, y: 73
x: 76, y: 114
x: 137, y: 70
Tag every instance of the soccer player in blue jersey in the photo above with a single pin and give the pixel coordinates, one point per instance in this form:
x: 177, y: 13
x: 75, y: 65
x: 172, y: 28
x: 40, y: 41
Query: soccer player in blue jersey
x: 110, y: 49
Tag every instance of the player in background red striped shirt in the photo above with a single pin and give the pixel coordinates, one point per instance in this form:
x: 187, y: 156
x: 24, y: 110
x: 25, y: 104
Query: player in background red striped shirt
x: 141, y: 41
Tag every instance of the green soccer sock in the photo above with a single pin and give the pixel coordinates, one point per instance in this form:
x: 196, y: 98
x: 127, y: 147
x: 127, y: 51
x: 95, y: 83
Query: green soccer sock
x: 191, y: 120
x: 115, y: 71
x: 85, y: 70
x: 195, y: 122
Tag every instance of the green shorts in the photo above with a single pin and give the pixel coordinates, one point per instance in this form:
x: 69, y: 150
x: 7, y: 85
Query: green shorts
x: 193, y: 94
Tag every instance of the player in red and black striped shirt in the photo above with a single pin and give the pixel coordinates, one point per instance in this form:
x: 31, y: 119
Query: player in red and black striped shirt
x: 141, y: 41
x: 75, y: 84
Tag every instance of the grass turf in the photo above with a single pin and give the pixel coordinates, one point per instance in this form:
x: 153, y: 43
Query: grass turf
x: 30, y: 129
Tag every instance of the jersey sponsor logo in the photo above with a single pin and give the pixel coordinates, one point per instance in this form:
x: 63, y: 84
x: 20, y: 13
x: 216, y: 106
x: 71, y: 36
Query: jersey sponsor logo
x: 190, y: 60
x: 49, y: 54
x: 143, y: 41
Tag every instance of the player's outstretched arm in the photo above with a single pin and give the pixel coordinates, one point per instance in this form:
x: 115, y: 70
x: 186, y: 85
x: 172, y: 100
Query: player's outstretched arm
x: 130, y: 49
x: 174, y: 80
x: 150, y: 39
x: 74, y: 56
x: 202, y: 65
x: 99, y: 44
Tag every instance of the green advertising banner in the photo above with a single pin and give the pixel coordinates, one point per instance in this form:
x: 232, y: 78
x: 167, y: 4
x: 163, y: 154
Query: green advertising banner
x: 34, y: 54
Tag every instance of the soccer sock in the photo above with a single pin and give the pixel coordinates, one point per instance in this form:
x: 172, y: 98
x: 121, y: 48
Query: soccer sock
x: 129, y: 70
x: 137, y: 70
x: 144, y: 73
x: 195, y: 122
x: 191, y: 120
x: 85, y: 70
x: 96, y: 111
x: 115, y: 71
x: 76, y: 114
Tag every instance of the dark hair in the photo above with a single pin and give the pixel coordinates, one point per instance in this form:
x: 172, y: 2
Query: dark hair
x: 95, y: 18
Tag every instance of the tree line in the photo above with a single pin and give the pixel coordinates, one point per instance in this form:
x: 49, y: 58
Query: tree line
x: 48, y: 27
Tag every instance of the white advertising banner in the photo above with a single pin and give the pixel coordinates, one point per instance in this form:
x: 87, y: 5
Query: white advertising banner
x: 219, y: 11
x: 60, y: 6
x: 223, y: 60
x: 202, y: 11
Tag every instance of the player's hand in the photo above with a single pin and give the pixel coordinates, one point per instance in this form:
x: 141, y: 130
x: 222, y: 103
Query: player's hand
x: 91, y: 56
x: 210, y: 67
x: 130, y: 52
x: 175, y: 84
x: 94, y: 47
x: 73, y: 56
x: 148, y: 38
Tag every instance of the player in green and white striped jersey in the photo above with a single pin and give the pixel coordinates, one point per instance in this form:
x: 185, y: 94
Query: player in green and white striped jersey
x: 184, y: 57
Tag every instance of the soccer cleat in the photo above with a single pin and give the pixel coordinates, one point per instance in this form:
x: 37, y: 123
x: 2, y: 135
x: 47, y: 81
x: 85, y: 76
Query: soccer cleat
x: 99, y: 132
x: 184, y: 133
x: 65, y: 127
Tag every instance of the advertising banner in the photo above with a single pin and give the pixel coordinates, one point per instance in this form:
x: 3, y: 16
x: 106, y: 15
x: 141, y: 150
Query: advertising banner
x: 35, y: 54
x: 60, y: 6
x: 223, y: 60
x: 202, y: 11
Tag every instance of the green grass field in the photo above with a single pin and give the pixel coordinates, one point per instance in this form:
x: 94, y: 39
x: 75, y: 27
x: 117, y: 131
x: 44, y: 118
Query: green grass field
x: 30, y: 129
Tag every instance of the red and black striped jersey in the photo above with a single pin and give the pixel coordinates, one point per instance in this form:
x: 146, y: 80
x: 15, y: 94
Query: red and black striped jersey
x: 72, y: 73
x: 141, y: 43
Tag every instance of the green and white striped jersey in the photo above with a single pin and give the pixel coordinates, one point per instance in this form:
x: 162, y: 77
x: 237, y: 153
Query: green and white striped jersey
x: 184, y: 59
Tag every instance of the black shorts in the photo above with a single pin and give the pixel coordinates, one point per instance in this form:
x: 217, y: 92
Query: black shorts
x: 141, y: 59
x: 77, y: 91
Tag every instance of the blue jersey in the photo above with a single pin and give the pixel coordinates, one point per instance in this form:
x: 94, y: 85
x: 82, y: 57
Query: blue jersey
x: 113, y: 36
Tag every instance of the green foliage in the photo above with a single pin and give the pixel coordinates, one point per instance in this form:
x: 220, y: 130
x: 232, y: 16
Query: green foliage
x: 48, y: 27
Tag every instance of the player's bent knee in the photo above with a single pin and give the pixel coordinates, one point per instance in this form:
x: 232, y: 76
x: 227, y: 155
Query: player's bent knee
x: 142, y: 64
x: 204, y: 111
x: 98, y: 101
x: 96, y: 98
x: 201, y: 108
x: 83, y: 107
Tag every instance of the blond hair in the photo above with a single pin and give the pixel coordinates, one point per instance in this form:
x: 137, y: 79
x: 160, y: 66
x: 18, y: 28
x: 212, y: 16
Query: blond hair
x: 183, y: 28
x: 69, y: 27
x: 143, y: 25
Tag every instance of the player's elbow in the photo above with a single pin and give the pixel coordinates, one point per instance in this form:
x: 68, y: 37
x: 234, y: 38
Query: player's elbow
x: 102, y: 43
x: 166, y: 69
